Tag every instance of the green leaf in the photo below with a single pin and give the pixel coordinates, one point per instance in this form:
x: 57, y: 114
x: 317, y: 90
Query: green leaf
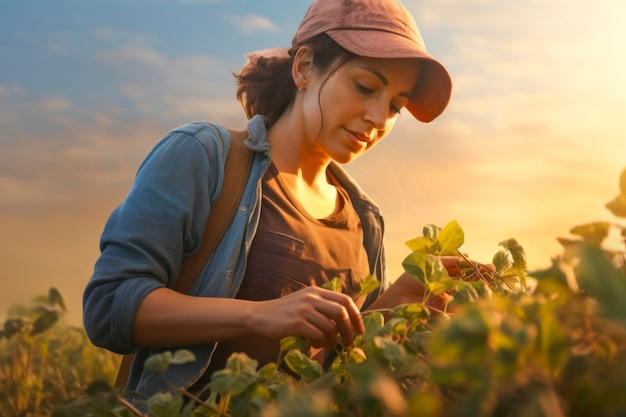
x: 502, y: 260
x: 472, y: 290
x: 513, y: 341
x: 396, y: 326
x: 443, y: 285
x: 356, y: 355
x: 304, y: 366
x: 182, y: 356
x: 553, y: 342
x: 450, y: 238
x: 515, y: 280
x: 421, y: 245
x: 517, y: 252
x: 16, y: 326
x: 600, y: 279
x: 369, y: 284
x: 464, y: 373
x: 239, y: 374
x: 294, y: 343
x: 424, y: 405
x: 159, y: 362
x: 56, y: 299
x: 414, y: 265
x: 431, y: 231
x: 592, y: 233
x: 558, y: 279
x: 268, y: 370
x: 425, y: 268
x: 411, y: 312
x: 393, y: 352
x: 240, y: 363
x: 44, y: 321
x: 188, y: 410
x: 164, y: 405
x: 327, y: 381
x: 435, y: 271
x: 617, y: 206
x: 462, y: 339
x: 373, y: 322
x: 334, y: 284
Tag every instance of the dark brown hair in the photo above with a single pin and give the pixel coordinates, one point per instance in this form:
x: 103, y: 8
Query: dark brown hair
x: 266, y: 86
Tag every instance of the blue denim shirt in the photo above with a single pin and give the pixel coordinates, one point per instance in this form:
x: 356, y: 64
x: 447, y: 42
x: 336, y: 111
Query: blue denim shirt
x: 162, y: 221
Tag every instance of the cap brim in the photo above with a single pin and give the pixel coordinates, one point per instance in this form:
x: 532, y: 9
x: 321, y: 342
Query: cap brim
x: 434, y: 85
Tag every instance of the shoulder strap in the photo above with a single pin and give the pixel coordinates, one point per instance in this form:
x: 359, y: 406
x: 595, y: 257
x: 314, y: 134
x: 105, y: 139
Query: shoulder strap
x: 236, y: 172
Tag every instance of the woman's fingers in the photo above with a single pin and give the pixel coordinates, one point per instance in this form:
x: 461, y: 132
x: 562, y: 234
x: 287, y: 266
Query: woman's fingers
x: 314, y: 313
x: 345, y: 317
x: 454, y: 265
x: 319, y: 330
x: 340, y: 310
x: 458, y: 267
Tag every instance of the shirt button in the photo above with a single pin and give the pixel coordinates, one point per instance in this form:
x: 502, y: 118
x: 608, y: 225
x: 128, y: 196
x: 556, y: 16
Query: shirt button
x: 243, y: 208
x: 229, y: 273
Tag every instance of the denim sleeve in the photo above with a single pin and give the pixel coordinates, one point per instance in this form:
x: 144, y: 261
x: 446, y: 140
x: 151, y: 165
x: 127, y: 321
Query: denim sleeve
x: 146, y: 237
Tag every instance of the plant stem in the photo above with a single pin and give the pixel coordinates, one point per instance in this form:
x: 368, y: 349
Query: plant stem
x: 378, y: 310
x: 131, y: 407
x: 198, y: 400
x: 480, y: 274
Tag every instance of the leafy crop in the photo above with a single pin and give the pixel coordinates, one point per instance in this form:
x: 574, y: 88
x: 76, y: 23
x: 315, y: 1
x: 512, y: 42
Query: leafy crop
x: 496, y: 341
x: 45, y: 363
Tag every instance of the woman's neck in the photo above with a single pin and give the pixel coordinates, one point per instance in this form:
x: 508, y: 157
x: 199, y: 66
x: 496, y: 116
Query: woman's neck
x: 302, y: 169
x: 293, y: 154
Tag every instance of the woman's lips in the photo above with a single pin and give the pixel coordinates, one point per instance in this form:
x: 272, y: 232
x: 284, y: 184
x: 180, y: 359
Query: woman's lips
x: 359, y: 140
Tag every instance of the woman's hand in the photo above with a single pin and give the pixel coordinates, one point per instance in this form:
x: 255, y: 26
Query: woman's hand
x: 406, y: 290
x: 467, y: 270
x: 313, y: 313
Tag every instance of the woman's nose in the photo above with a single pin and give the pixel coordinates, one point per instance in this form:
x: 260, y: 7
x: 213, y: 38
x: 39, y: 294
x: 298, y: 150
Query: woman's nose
x: 377, y: 114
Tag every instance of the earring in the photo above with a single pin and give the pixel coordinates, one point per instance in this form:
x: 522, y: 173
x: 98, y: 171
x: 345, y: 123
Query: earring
x: 299, y: 89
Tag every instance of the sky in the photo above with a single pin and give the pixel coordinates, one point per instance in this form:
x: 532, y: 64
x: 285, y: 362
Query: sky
x: 531, y: 144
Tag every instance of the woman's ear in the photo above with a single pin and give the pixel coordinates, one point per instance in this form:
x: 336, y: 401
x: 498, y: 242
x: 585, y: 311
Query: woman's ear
x: 302, y: 66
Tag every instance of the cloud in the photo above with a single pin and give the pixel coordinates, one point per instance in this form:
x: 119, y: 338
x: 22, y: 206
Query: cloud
x: 11, y: 89
x: 121, y: 36
x: 201, y: 1
x: 131, y: 54
x: 252, y: 23
x: 60, y: 43
x: 73, y: 147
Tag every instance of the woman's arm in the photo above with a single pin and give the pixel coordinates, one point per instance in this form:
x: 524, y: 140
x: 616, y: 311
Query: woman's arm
x: 167, y: 318
x: 406, y: 290
x: 147, y: 236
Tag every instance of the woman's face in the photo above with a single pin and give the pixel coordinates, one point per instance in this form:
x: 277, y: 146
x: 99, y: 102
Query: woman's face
x: 350, y: 111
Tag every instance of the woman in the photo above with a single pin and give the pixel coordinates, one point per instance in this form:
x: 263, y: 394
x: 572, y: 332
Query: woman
x: 354, y: 66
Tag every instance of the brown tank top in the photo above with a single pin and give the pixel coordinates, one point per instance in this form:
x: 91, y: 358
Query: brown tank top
x: 292, y: 250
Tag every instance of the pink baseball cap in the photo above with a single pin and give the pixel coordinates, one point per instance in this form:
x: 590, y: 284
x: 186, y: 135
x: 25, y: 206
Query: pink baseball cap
x: 381, y: 29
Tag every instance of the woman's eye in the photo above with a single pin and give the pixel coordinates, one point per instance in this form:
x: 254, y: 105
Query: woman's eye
x: 363, y: 89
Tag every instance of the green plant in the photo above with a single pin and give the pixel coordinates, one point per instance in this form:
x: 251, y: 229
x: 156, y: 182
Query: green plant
x: 45, y: 363
x: 386, y: 371
x: 549, y: 343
